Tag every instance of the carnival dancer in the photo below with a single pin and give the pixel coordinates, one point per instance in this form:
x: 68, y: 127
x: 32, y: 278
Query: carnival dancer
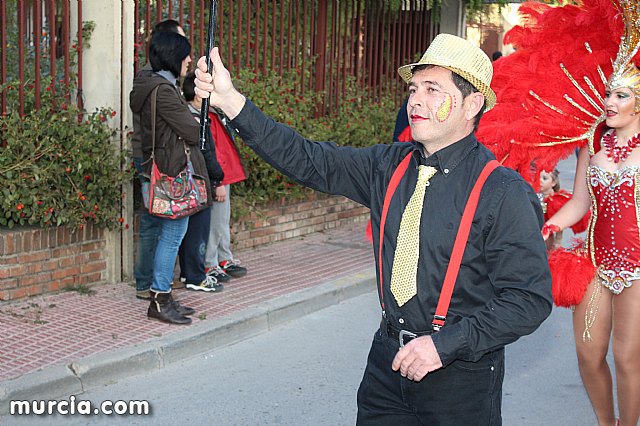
x: 592, y: 101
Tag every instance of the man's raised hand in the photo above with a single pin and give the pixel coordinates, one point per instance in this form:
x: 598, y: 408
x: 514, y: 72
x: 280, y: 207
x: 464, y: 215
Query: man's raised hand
x: 217, y: 85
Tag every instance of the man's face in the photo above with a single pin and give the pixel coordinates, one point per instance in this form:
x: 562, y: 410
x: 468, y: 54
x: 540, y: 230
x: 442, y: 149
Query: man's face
x: 435, y: 107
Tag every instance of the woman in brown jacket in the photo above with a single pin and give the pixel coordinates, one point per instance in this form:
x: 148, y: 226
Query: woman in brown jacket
x: 169, y: 57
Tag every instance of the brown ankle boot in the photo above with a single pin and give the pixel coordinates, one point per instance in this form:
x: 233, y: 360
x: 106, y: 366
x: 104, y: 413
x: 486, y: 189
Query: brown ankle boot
x: 182, y: 310
x: 162, y: 307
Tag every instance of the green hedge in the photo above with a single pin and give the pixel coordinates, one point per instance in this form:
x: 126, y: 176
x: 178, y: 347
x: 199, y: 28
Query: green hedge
x: 58, y: 166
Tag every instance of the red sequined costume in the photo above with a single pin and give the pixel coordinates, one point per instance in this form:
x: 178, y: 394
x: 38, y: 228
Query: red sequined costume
x: 614, y: 230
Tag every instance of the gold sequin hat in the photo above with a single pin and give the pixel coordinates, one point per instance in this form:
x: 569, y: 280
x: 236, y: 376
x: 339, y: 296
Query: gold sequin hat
x: 461, y: 57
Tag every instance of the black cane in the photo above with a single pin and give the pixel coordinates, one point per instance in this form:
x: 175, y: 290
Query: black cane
x: 211, y: 34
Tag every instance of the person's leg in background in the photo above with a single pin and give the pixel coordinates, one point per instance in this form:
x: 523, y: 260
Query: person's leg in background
x: 162, y: 306
x: 148, y: 234
x: 225, y: 260
x: 217, y: 238
x: 192, y: 252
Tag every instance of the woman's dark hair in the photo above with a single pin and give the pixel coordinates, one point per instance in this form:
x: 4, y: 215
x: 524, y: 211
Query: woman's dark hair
x: 463, y: 86
x: 188, y: 87
x: 168, y: 25
x: 167, y: 50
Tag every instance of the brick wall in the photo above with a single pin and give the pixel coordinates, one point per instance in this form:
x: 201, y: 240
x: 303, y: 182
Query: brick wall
x: 35, y: 261
x: 283, y: 221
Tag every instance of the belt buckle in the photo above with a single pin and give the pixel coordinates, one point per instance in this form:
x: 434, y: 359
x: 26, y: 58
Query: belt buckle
x: 403, y: 333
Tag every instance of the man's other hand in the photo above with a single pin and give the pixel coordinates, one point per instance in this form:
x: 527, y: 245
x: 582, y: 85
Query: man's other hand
x: 417, y: 358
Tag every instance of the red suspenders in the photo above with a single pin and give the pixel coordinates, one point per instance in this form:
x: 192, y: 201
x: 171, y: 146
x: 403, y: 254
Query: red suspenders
x: 458, y: 246
x: 391, y: 189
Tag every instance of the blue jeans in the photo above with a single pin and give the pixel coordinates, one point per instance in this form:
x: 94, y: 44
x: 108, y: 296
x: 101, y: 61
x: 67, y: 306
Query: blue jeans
x: 194, y: 247
x: 171, y: 233
x: 148, y: 235
x: 459, y: 394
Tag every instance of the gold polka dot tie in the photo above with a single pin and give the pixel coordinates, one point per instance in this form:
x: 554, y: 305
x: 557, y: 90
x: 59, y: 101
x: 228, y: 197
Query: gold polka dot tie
x: 405, y: 260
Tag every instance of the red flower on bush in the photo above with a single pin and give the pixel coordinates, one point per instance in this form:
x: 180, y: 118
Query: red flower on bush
x: 20, y: 206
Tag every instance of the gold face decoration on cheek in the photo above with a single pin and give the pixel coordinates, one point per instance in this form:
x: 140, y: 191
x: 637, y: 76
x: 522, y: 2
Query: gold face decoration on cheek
x: 444, y: 111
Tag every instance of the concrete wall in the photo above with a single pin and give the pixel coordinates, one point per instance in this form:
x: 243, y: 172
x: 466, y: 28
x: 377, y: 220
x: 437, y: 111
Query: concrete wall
x: 107, y: 70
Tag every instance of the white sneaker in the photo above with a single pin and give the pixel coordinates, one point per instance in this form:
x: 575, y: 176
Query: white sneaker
x: 209, y: 284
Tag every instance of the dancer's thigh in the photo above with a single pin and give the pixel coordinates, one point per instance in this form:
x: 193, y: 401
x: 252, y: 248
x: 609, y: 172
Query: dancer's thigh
x: 597, y: 300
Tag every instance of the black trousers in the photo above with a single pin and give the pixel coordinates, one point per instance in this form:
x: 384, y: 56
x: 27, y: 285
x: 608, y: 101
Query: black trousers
x: 194, y: 246
x: 460, y: 394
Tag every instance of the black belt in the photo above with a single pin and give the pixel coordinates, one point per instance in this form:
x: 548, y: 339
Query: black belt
x: 401, y: 336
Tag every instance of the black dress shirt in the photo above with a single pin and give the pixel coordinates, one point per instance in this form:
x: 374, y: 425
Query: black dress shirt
x: 503, y: 290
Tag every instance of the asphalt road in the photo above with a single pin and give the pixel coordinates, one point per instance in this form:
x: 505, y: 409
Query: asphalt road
x: 307, y: 373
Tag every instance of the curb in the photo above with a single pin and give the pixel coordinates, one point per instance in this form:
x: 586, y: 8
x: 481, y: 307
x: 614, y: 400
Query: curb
x: 62, y: 381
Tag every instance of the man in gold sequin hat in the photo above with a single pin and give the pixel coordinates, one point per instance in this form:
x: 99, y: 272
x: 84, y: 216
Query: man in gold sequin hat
x: 426, y: 365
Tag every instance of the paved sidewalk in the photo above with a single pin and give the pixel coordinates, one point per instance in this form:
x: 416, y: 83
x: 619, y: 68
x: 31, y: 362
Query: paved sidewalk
x: 58, y: 345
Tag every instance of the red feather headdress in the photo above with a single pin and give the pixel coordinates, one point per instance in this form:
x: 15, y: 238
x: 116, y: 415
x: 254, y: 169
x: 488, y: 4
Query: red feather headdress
x: 550, y: 90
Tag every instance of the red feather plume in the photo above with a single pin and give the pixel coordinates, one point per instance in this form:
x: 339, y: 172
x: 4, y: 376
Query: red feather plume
x: 522, y: 129
x: 571, y: 272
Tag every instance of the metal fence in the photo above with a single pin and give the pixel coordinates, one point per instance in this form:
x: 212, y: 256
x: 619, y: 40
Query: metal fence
x: 325, y: 41
x: 333, y: 39
x: 38, y: 52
